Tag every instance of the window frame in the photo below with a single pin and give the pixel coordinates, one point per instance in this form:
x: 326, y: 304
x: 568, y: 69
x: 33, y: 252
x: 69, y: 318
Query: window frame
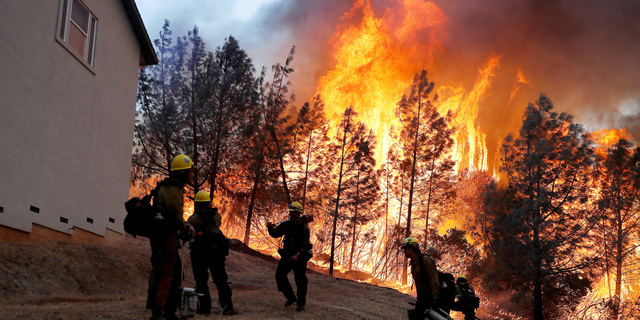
x: 65, y: 22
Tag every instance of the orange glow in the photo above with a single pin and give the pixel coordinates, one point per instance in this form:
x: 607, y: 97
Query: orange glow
x: 609, y: 137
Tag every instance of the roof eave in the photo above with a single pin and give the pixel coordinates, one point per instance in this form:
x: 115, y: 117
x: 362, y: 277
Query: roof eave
x: 147, y: 52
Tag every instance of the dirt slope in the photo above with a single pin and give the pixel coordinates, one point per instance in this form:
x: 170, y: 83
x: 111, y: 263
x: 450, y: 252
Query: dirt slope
x: 71, y: 281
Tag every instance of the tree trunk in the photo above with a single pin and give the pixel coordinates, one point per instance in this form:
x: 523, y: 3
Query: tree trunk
x: 537, y: 280
x: 385, y: 240
x: 353, y: 243
x: 335, y: 213
x: 306, y: 171
x: 619, y: 259
x: 426, y: 222
x: 280, y: 156
x: 216, y: 152
x: 254, y: 191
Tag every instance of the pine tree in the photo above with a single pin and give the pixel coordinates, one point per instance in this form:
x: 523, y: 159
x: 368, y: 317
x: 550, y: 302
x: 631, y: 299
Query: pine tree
x: 230, y: 112
x: 540, y: 225
x: 619, y: 202
x: 425, y: 140
x: 361, y: 190
x: 349, y: 137
x: 158, y: 116
x: 281, y: 134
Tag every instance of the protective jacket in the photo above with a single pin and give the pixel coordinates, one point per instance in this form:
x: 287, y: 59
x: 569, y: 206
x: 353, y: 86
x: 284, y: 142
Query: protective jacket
x: 294, y: 255
x: 296, y: 237
x: 209, y: 238
x: 466, y: 300
x: 208, y: 252
x: 426, y: 279
x: 169, y: 201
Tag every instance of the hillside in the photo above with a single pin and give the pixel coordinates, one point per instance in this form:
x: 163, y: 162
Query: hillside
x: 72, y: 282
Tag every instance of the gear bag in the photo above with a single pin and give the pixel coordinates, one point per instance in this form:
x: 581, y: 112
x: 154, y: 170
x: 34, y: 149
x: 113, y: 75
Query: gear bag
x: 447, y: 288
x: 140, y: 215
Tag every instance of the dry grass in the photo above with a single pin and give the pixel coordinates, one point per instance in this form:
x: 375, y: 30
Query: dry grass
x: 72, y: 282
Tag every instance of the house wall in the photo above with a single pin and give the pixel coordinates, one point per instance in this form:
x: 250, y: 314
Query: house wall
x: 65, y: 129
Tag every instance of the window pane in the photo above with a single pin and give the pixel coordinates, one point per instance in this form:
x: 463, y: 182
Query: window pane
x: 80, y: 16
x: 92, y: 37
x: 63, y: 22
x: 77, y: 38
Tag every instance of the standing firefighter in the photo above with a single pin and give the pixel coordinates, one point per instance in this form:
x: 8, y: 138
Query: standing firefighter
x: 208, y: 253
x: 425, y: 277
x: 168, y: 227
x: 293, y: 255
x: 466, y: 300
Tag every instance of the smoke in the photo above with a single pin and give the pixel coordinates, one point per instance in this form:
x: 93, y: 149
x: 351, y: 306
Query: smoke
x: 584, y: 55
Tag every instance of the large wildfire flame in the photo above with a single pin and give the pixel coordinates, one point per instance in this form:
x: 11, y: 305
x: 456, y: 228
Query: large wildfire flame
x: 375, y: 59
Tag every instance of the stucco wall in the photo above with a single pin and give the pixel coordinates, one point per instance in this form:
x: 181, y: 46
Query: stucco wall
x: 65, y: 130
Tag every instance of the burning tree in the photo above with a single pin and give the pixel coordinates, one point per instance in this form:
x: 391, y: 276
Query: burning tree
x: 425, y: 141
x: 351, y: 142
x: 361, y: 190
x: 619, y: 202
x: 280, y: 133
x: 540, y: 226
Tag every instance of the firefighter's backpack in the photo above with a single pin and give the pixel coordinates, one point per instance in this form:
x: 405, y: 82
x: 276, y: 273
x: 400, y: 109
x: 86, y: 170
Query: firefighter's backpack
x: 447, y: 290
x: 140, y: 216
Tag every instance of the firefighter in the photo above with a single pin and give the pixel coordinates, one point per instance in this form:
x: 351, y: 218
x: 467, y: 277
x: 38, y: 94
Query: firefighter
x: 293, y: 255
x: 208, y: 254
x: 168, y: 228
x: 425, y: 277
x: 466, y: 300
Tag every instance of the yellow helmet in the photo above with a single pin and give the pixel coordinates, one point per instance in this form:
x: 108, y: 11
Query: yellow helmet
x: 462, y: 276
x: 296, y: 206
x: 202, y: 196
x: 410, y: 242
x: 181, y: 162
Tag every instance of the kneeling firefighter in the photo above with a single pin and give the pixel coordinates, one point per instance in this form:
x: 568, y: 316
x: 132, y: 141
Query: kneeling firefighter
x: 208, y: 253
x: 466, y: 300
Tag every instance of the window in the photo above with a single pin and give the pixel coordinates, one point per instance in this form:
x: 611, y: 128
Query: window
x: 78, y: 29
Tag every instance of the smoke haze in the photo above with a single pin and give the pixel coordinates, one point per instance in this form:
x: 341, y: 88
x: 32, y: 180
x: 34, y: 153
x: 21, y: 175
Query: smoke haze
x: 584, y: 55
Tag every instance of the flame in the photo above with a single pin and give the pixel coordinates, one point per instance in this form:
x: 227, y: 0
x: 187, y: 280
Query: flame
x: 375, y: 60
x: 520, y: 81
x: 609, y: 137
x: 470, y: 150
x: 606, y: 138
